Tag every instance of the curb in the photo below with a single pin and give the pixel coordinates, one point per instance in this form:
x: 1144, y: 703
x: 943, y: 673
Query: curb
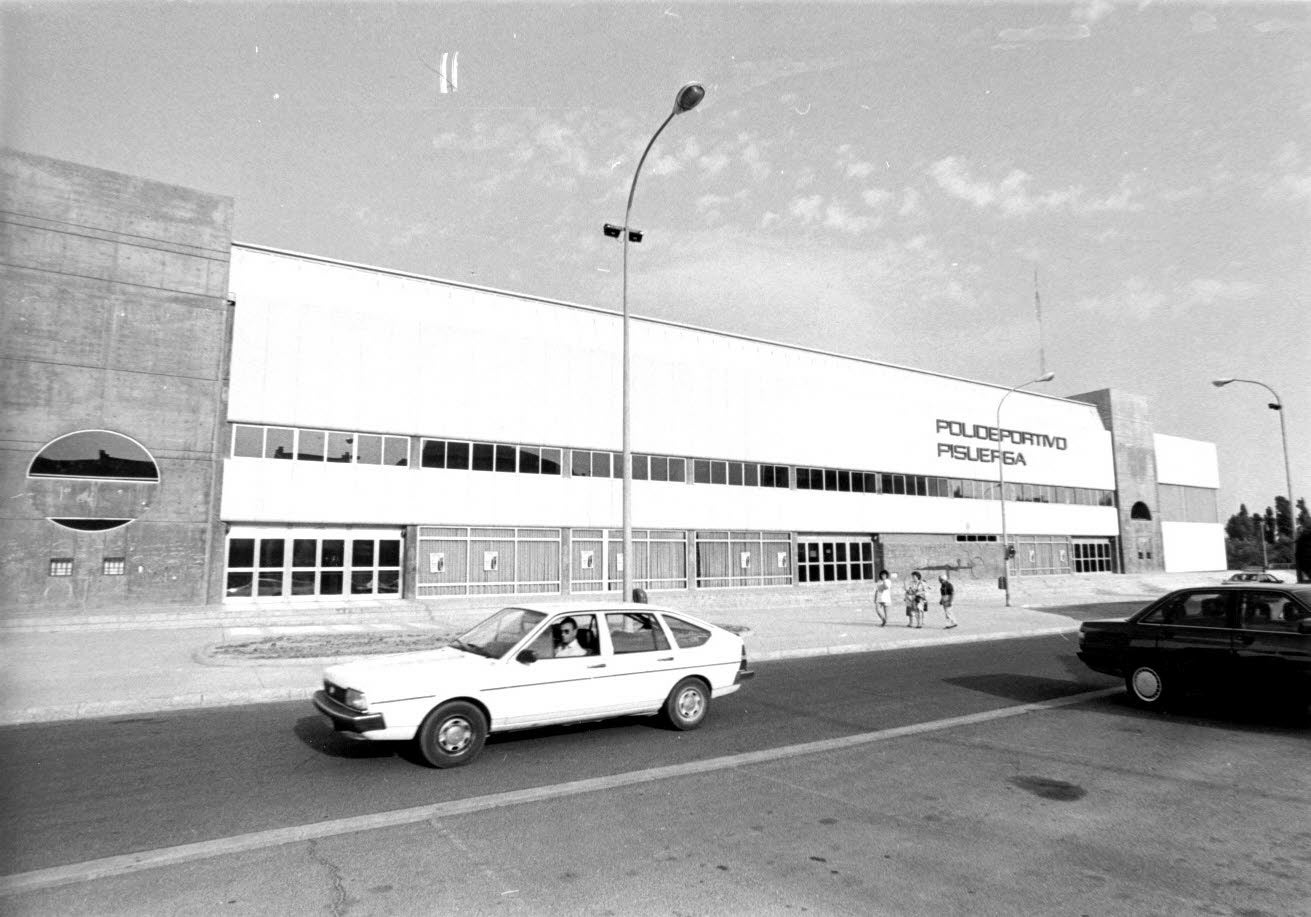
x: 218, y: 699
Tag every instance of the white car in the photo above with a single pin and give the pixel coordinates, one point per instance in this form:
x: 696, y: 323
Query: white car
x: 537, y: 665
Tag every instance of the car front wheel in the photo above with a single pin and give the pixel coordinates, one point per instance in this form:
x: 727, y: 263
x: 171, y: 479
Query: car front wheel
x: 452, y: 735
x: 1147, y: 686
x: 687, y: 705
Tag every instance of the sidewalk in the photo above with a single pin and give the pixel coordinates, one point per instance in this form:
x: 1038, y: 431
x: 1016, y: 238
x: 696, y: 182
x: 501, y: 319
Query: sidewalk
x: 77, y: 669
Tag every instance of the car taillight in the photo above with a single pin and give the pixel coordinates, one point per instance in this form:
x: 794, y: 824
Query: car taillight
x: 743, y: 666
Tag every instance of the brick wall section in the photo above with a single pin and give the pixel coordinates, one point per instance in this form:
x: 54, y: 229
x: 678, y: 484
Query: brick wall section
x: 113, y: 316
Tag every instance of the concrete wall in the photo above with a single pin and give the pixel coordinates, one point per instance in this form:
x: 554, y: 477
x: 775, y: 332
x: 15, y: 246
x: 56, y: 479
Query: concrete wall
x: 113, y: 316
x: 1128, y: 419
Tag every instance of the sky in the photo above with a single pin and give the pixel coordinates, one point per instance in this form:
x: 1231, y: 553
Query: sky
x: 891, y: 181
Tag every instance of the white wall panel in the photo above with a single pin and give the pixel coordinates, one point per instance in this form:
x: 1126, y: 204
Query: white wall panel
x: 1186, y: 461
x: 1189, y: 546
x: 342, y: 347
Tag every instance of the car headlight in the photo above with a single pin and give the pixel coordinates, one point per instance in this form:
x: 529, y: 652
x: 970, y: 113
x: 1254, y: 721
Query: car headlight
x: 356, y: 699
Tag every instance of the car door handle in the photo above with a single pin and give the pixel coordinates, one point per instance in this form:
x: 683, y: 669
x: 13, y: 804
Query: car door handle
x: 599, y: 665
x: 665, y: 659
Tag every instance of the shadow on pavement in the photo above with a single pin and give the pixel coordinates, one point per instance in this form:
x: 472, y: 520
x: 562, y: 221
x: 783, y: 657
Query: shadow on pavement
x: 1025, y: 689
x: 314, y: 732
x: 1095, y: 611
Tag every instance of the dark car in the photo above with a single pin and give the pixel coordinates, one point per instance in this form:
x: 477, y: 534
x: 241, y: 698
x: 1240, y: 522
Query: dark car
x: 1227, y: 635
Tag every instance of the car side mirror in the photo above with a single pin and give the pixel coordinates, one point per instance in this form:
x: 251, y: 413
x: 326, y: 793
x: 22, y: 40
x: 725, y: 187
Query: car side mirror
x: 527, y: 657
x: 1304, y: 626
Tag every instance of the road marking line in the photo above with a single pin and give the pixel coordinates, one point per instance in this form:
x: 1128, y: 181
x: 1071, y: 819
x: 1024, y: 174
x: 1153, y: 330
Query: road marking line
x: 125, y: 864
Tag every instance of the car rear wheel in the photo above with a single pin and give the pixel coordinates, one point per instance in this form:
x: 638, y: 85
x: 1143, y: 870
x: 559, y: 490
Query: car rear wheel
x: 452, y: 735
x: 1147, y: 686
x: 687, y: 705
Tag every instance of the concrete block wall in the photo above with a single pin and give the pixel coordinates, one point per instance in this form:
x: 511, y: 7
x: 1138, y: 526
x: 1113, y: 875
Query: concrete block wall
x: 1129, y: 420
x: 113, y: 316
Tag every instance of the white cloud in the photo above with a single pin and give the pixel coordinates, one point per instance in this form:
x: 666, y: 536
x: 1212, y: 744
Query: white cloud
x: 1064, y: 32
x: 876, y: 197
x: 807, y: 209
x: 1139, y: 299
x: 713, y: 163
x: 860, y: 169
x: 1012, y: 198
x: 836, y: 216
x: 755, y: 162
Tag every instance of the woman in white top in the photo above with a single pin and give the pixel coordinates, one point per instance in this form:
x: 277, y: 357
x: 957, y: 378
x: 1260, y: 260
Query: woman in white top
x: 883, y: 597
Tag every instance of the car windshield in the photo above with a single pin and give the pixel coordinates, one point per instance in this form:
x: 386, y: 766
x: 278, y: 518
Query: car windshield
x: 498, y: 634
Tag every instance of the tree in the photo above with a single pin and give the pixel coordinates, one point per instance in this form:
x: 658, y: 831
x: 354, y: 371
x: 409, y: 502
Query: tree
x: 1303, y: 517
x: 1268, y: 525
x: 1283, y: 519
x: 1239, y: 526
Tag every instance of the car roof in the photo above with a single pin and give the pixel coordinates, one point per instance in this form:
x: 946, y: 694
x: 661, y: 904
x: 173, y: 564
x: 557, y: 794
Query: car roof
x: 555, y: 608
x: 1302, y: 590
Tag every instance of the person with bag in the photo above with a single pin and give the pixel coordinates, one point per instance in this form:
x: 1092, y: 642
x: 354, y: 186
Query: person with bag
x: 946, y: 595
x: 883, y: 597
x: 916, y: 600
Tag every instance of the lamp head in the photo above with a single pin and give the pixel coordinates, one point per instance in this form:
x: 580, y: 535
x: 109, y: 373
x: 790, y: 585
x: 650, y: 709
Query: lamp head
x: 1045, y: 377
x: 689, y: 97
x: 1220, y: 383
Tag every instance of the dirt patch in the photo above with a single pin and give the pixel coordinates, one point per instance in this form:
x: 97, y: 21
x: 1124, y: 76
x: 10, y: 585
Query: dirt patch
x: 314, y: 646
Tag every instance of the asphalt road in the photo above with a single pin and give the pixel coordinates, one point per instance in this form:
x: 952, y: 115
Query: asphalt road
x: 910, y: 825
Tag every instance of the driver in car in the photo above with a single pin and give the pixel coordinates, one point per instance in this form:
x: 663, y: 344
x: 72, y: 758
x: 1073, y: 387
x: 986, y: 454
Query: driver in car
x: 567, y: 643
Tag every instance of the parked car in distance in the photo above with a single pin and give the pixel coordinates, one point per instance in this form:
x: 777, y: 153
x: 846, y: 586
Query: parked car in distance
x: 1253, y: 576
x: 537, y: 665
x: 1225, y: 636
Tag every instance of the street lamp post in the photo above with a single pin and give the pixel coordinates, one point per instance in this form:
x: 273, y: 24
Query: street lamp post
x: 1001, y: 494
x: 689, y: 97
x: 1278, y: 406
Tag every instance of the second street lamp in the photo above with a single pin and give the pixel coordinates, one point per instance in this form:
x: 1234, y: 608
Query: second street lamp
x: 689, y: 97
x: 1001, y: 473
x: 1278, y: 406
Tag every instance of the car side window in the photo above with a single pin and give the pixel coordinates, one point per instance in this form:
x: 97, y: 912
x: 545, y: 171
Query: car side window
x: 638, y: 632
x: 1201, y: 609
x: 549, y: 644
x: 1271, y: 611
x: 686, y: 634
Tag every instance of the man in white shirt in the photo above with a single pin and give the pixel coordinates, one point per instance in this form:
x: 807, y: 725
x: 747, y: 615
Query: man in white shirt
x: 568, y: 644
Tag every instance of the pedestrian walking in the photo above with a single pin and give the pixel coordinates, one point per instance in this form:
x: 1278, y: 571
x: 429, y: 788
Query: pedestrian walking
x: 946, y: 595
x: 916, y: 599
x: 883, y: 597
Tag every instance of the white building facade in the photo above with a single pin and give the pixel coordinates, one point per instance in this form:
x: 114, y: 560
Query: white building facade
x: 395, y: 435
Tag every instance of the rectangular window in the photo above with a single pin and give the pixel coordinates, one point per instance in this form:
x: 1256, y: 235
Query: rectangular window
x: 61, y: 566
x: 735, y: 473
x: 640, y: 467
x: 433, y: 454
x: 396, y: 450
x: 247, y: 442
x: 600, y: 464
x: 550, y: 461
x: 718, y: 472
x: 701, y: 471
x: 659, y: 468
x: 341, y: 447
x: 457, y: 455
x: 505, y: 459
x: 580, y: 464
x: 844, y: 482
x: 751, y: 474
x: 483, y: 456
x: 113, y: 566
x: 309, y: 445
x: 369, y: 450
x: 278, y: 443
x: 678, y: 470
